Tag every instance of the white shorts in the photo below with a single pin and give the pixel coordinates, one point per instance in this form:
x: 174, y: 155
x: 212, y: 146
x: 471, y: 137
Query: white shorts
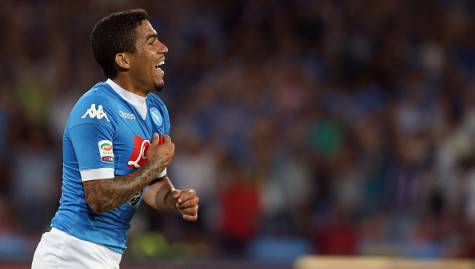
x: 58, y: 249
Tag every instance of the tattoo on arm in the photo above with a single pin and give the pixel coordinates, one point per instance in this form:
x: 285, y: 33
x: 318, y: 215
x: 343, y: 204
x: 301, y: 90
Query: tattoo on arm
x: 105, y: 194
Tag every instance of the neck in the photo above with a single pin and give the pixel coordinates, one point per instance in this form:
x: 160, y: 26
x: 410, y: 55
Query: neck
x: 127, y: 84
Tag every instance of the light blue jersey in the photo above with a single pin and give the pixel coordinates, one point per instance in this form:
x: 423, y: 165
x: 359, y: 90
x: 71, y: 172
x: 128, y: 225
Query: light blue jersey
x: 106, y: 135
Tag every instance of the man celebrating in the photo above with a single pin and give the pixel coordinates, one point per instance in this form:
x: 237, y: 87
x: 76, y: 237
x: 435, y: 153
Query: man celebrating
x: 116, y: 150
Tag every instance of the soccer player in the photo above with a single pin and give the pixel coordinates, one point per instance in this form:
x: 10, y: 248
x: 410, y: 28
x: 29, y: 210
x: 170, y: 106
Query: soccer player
x: 116, y: 150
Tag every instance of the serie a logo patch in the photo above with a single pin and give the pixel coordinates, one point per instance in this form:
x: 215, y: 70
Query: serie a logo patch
x: 106, y: 151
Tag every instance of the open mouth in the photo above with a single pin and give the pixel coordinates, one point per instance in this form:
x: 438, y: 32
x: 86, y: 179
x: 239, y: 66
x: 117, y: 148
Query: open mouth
x: 162, y: 62
x: 159, y: 64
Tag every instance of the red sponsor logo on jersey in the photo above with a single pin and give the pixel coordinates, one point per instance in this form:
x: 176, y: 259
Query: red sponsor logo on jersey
x: 137, y: 158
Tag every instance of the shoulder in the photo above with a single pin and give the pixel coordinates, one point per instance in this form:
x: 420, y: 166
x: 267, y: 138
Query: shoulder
x: 94, y: 106
x: 101, y: 92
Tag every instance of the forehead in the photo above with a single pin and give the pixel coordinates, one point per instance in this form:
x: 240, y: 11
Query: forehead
x: 145, y: 29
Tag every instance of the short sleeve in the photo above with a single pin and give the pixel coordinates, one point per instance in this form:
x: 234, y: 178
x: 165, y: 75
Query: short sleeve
x: 94, y: 150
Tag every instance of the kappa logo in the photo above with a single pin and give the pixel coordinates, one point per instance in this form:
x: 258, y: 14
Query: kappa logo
x: 98, y: 113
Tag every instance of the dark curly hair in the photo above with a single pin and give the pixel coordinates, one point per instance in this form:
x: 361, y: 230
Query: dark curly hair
x: 114, y: 34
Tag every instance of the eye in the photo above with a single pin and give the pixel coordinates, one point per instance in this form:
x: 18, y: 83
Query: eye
x: 152, y: 41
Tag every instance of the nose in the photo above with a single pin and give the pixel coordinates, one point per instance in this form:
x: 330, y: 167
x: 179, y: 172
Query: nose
x: 162, y: 48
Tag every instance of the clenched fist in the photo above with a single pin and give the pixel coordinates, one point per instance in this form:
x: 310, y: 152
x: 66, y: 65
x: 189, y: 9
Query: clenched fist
x: 187, y: 203
x: 162, y: 148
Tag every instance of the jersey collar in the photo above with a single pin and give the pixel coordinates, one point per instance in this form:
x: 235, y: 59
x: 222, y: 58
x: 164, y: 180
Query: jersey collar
x: 139, y: 102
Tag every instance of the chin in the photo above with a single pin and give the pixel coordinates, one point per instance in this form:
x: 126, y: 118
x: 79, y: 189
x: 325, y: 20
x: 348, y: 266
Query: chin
x: 159, y: 86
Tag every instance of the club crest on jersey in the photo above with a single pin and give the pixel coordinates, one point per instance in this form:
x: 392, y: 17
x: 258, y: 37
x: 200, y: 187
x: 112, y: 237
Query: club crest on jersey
x: 156, y: 116
x: 137, y: 157
x: 106, y: 151
x: 98, y: 113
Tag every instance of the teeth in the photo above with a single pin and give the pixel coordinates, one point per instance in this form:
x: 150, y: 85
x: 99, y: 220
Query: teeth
x: 160, y: 63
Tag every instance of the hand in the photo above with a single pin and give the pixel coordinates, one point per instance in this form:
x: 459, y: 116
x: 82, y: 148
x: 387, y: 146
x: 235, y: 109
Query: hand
x: 163, y: 151
x: 187, y: 203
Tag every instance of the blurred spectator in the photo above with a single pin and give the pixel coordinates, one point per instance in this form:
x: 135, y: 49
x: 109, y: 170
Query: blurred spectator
x: 240, y: 210
x: 14, y: 245
x: 35, y: 183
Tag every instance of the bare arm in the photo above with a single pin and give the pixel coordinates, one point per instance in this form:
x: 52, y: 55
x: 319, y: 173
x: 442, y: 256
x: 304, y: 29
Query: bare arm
x: 159, y: 195
x: 163, y: 196
x: 105, y: 194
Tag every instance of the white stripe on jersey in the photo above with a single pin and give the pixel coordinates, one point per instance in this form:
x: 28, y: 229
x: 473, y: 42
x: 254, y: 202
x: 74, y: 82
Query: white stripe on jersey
x: 99, y: 173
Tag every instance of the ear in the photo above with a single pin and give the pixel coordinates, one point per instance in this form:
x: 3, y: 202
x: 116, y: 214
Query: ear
x: 122, y: 60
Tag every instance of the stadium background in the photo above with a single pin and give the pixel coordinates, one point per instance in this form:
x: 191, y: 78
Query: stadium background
x: 307, y: 127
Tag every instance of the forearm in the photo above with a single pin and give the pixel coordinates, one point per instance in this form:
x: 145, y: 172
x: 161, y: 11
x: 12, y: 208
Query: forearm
x: 159, y: 195
x: 163, y: 196
x: 164, y: 201
x: 105, y: 194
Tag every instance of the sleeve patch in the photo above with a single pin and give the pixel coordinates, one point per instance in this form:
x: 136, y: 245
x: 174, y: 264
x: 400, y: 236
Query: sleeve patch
x: 106, y: 151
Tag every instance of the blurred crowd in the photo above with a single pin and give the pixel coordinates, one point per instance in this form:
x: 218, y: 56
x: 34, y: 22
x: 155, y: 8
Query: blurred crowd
x: 329, y: 127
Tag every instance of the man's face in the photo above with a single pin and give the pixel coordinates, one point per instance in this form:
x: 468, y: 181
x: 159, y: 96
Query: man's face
x: 149, y: 55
